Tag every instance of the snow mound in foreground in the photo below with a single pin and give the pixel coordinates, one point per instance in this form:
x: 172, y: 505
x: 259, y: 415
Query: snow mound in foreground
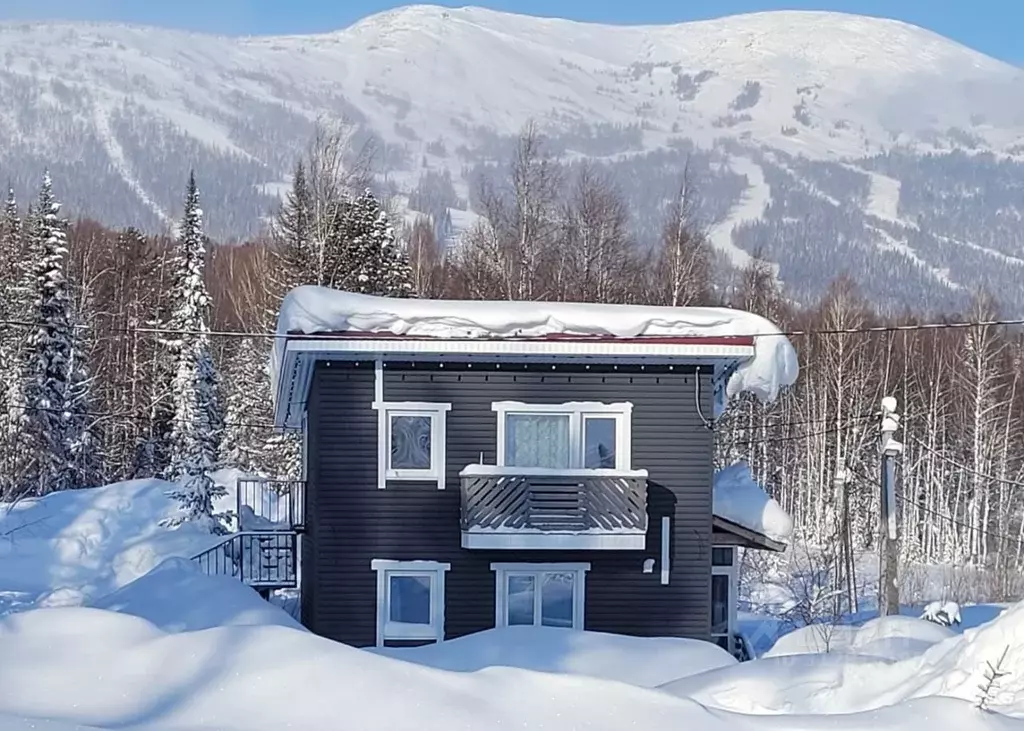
x: 738, y: 497
x: 644, y: 662
x: 960, y: 667
x: 107, y: 669
x: 893, y: 638
x: 862, y: 674
x: 311, y: 309
x: 177, y: 597
x: 110, y: 670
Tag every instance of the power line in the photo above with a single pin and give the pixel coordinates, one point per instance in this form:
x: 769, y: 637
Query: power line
x: 950, y: 518
x: 955, y: 521
x: 129, y: 417
x: 965, y: 468
x: 865, y: 330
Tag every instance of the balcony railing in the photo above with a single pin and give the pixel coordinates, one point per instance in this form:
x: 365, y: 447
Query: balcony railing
x: 510, y: 507
x: 270, y: 505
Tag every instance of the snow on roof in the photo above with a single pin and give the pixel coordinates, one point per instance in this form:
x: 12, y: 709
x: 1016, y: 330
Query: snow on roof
x: 311, y: 310
x: 738, y: 498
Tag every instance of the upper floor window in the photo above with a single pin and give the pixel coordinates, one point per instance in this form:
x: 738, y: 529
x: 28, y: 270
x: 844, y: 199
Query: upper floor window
x: 573, y: 435
x: 411, y: 441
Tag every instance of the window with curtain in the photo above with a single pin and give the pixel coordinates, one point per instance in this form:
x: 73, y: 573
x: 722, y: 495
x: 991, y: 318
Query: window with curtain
x: 537, y: 440
x: 574, y: 435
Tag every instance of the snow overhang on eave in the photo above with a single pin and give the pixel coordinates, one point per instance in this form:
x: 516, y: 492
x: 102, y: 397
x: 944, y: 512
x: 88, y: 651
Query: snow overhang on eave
x: 301, y: 352
x: 727, y: 533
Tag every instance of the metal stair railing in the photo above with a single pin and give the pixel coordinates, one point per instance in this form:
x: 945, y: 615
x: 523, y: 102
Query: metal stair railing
x: 262, y: 560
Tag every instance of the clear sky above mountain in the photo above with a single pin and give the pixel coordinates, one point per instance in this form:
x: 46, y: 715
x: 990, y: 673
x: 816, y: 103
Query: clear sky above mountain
x: 990, y: 26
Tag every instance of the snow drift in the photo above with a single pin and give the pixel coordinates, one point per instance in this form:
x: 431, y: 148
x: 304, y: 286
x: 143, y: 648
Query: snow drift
x: 888, y: 662
x: 70, y: 546
x: 169, y: 649
x: 738, y: 497
x: 643, y: 661
x: 105, y: 669
x: 893, y: 638
x: 311, y: 309
x: 177, y: 597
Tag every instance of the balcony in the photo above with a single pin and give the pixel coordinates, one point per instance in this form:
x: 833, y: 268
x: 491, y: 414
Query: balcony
x: 543, y: 509
x: 264, y: 505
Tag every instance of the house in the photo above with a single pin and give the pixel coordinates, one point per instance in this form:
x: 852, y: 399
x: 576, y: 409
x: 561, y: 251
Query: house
x: 470, y: 464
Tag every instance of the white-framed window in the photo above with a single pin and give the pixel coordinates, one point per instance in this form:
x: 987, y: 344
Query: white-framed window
x: 410, y: 600
x: 724, y: 586
x: 411, y: 441
x: 573, y: 435
x: 540, y: 594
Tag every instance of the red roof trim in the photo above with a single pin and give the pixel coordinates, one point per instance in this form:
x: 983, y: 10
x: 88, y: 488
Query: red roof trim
x: 720, y: 340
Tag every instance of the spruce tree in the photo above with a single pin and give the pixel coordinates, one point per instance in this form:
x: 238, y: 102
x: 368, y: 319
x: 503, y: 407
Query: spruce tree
x: 44, y: 428
x: 11, y: 335
x: 378, y: 264
x: 293, y: 234
x: 248, y: 443
x: 10, y: 283
x: 197, y: 423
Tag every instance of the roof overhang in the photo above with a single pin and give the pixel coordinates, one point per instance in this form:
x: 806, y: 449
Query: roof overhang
x: 727, y: 533
x: 297, y: 356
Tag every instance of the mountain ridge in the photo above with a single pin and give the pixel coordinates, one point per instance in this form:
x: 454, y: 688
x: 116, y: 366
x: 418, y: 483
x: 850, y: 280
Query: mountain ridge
x: 787, y: 116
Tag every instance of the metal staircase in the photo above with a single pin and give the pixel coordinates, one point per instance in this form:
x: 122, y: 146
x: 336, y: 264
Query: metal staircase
x: 263, y: 552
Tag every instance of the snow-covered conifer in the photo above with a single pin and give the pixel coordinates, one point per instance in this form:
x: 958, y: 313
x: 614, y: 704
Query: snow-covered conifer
x: 379, y: 265
x: 249, y: 443
x: 44, y: 432
x: 293, y: 231
x: 11, y: 335
x: 196, y: 424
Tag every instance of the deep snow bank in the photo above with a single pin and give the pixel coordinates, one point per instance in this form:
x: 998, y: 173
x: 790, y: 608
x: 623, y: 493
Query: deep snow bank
x: 177, y: 597
x: 311, y: 309
x: 71, y: 546
x: 68, y: 548
x: 893, y: 638
x: 861, y: 675
x: 110, y: 670
x: 645, y: 662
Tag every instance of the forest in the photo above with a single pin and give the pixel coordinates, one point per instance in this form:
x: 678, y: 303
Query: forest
x: 127, y: 355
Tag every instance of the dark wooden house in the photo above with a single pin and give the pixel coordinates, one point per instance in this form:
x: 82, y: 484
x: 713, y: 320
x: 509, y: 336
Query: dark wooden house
x: 457, y: 478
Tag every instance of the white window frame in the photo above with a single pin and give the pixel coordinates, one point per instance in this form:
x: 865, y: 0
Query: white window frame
x: 503, y: 570
x: 435, y: 571
x: 437, y: 413
x: 732, y: 572
x: 578, y: 412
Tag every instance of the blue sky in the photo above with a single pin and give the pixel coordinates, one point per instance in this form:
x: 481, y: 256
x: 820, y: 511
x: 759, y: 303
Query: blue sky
x: 995, y: 27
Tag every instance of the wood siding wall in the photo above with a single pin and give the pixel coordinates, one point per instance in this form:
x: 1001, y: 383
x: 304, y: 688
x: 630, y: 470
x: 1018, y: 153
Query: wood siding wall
x: 350, y: 521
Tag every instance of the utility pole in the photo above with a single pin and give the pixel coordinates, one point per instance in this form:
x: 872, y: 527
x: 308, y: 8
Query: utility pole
x: 888, y: 546
x: 845, y: 580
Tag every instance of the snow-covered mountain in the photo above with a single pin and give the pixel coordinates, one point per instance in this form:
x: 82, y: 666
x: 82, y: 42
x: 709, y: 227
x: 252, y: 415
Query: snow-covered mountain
x: 790, y: 110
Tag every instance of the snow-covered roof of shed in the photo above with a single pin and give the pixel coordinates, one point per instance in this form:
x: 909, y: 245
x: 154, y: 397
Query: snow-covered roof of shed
x: 312, y: 310
x: 738, y: 498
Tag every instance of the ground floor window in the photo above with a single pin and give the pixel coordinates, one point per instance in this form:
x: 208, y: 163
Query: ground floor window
x: 723, y: 596
x: 410, y: 600
x: 540, y: 594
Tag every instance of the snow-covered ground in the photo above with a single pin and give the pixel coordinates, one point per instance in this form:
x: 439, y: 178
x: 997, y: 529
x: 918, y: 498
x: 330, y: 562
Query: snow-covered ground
x: 115, y: 629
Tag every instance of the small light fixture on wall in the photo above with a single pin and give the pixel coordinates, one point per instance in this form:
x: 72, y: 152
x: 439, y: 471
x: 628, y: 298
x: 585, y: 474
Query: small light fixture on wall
x: 648, y: 565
